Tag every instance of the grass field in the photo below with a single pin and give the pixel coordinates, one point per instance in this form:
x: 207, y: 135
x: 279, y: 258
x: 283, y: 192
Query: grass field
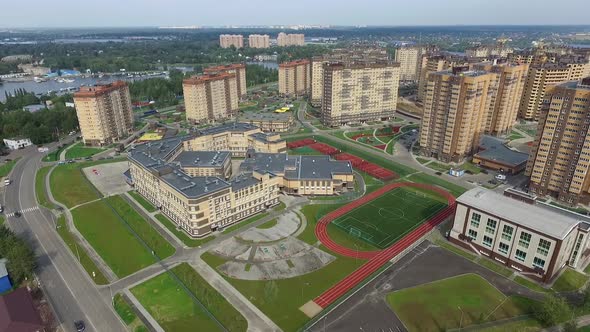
x: 304, y: 151
x: 141, y: 227
x: 124, y: 309
x: 40, y: 187
x: 176, y: 309
x: 111, y: 239
x: 6, y: 167
x: 569, y: 281
x: 384, y: 220
x: 54, y: 155
x: 79, y: 252
x: 81, y: 151
x: 269, y: 224
x: 463, y: 300
x: 142, y: 201
x: 180, y: 234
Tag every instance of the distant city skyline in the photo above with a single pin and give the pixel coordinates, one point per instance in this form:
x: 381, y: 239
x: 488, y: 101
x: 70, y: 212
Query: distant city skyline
x: 135, y: 13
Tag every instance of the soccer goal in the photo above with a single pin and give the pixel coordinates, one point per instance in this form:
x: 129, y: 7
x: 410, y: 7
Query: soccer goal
x: 355, y: 232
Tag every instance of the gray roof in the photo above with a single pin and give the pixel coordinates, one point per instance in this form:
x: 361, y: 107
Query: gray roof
x: 497, y: 151
x: 296, y: 167
x: 543, y: 218
x: 266, y: 116
x: 154, y: 153
x: 191, y: 187
x: 243, y: 181
x: 202, y: 158
x: 232, y: 126
x: 263, y: 137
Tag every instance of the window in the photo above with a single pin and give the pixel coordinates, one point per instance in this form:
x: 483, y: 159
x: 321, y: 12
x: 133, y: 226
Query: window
x: 525, y: 239
x: 507, y: 232
x: 503, y: 248
x: 491, y: 226
x: 475, y: 218
x: 520, y: 255
x: 537, y: 262
x: 487, y: 241
x: 472, y: 234
x: 543, y: 247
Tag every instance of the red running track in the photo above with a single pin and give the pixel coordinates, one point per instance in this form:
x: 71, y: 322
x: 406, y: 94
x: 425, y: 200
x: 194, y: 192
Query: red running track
x: 376, y: 258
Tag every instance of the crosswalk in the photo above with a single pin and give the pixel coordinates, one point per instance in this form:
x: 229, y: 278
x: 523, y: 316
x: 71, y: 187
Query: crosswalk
x: 34, y: 208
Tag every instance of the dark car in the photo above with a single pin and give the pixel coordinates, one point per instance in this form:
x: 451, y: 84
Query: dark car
x: 79, y: 325
x: 17, y: 214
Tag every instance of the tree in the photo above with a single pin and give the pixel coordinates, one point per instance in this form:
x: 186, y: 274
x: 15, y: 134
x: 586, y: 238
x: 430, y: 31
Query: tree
x: 570, y: 326
x: 20, y: 256
x: 553, y: 311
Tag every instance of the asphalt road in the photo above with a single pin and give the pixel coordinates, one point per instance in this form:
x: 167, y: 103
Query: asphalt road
x: 70, y: 291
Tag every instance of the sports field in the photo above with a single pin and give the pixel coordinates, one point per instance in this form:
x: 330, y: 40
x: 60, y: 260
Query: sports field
x: 384, y: 220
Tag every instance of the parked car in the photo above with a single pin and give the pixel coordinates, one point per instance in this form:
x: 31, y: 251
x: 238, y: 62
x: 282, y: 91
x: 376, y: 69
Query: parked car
x: 1, y: 209
x: 80, y: 326
x: 6, y: 181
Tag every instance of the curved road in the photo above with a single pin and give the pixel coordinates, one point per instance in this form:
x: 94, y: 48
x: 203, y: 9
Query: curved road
x: 70, y: 291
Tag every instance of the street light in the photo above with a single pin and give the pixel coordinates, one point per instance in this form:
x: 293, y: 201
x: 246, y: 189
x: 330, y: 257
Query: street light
x: 461, y: 321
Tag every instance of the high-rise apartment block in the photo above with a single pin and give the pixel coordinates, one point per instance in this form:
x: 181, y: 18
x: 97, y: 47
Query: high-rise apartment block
x: 295, y: 78
x: 509, y: 84
x: 486, y: 51
x: 259, y: 41
x: 359, y: 92
x: 290, y: 39
x: 239, y: 69
x: 210, y: 97
x: 542, y: 75
x: 455, y: 110
x: 435, y: 63
x: 104, y: 113
x: 354, y: 55
x: 559, y: 162
x: 410, y: 60
x: 227, y: 41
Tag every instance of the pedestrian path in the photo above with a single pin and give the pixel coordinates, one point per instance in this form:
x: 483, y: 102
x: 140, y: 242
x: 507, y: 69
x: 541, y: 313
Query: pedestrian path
x: 12, y: 214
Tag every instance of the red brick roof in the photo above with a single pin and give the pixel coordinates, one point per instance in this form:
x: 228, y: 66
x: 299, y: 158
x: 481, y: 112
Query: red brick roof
x: 18, y: 314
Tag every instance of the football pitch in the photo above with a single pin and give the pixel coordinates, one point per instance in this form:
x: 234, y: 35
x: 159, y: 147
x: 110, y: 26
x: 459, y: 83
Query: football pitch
x: 384, y: 220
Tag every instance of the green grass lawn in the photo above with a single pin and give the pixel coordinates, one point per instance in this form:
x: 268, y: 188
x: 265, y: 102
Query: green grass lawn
x: 244, y: 222
x: 54, y: 155
x: 81, y: 151
x: 514, y: 135
x: 40, y: 187
x: 142, y: 228
x: 70, y: 187
x: 124, y: 309
x: 176, y: 309
x: 569, y: 281
x: 111, y: 239
x: 422, y: 160
x: 525, y: 325
x: 2, y: 220
x: 6, y: 167
x: 530, y: 285
x: 468, y: 166
x: 304, y: 151
x: 454, y: 189
x: 80, y: 252
x: 384, y: 220
x: 280, y: 299
x: 313, y: 213
x: 142, y: 201
x: 439, y: 167
x: 268, y: 224
x: 491, y: 265
x: 439, y: 305
x: 458, y: 251
x: 180, y: 234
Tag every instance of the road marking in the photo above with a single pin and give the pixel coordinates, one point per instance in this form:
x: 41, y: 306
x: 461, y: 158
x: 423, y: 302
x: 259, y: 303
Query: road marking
x: 31, y: 209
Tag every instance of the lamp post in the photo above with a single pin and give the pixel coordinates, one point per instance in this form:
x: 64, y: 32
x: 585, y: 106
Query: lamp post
x: 461, y: 321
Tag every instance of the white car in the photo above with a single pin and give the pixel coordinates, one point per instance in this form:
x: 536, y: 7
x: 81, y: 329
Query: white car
x: 1, y: 209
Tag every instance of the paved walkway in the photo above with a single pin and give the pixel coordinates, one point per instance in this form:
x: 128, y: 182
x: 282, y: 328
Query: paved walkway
x: 154, y: 324
x: 62, y: 154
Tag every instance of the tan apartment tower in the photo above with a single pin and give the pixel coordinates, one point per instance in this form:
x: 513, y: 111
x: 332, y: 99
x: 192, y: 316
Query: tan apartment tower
x: 227, y: 41
x: 259, y: 41
x: 455, y: 109
x: 509, y: 84
x: 435, y: 63
x: 357, y: 54
x: 295, y: 78
x: 541, y: 76
x: 290, y: 39
x: 236, y: 68
x: 209, y: 98
x: 104, y: 113
x: 410, y: 60
x: 359, y: 92
x: 559, y: 161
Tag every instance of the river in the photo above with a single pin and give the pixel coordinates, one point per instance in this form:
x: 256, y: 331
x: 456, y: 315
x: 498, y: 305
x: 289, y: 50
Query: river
x: 51, y: 85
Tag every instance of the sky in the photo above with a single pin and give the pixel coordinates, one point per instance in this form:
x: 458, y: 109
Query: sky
x: 121, y: 13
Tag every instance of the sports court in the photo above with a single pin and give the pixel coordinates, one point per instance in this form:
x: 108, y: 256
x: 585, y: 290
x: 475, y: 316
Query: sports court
x: 384, y: 220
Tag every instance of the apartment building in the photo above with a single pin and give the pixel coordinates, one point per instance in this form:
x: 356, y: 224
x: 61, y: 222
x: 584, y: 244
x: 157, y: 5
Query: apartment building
x: 239, y: 69
x: 295, y: 78
x: 290, y: 39
x: 486, y: 51
x: 303, y: 175
x: 235, y: 138
x: 455, y: 111
x: 197, y: 204
x: 542, y: 75
x: 104, y: 113
x: 559, y: 161
x: 359, y: 92
x: 410, y: 60
x: 259, y: 41
x: 227, y: 41
x: 210, y: 98
x: 509, y: 85
x: 435, y: 63
x: 533, y: 238
x: 350, y: 55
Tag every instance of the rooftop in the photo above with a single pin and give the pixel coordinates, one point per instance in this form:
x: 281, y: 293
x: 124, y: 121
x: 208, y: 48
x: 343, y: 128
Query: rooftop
x: 222, y: 68
x: 232, y: 127
x: 497, y: 151
x: 202, y: 158
x: 543, y: 218
x: 18, y: 313
x: 242, y: 181
x: 266, y: 116
x: 296, y: 167
x: 97, y: 90
x: 155, y: 153
x: 191, y: 187
x: 581, y: 84
x: 201, y: 79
